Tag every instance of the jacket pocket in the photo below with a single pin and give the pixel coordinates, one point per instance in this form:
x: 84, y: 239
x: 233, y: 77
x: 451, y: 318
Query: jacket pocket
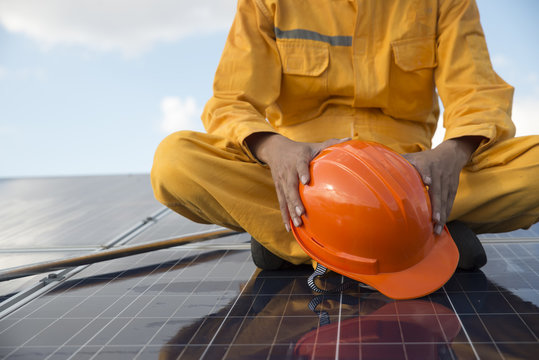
x: 302, y: 58
x: 411, y: 79
x: 305, y: 74
x: 414, y: 54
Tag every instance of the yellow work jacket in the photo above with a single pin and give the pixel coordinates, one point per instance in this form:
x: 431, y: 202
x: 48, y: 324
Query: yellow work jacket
x: 317, y: 69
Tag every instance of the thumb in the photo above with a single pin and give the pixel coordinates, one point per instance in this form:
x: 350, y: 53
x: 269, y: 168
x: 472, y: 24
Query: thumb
x: 331, y: 142
x: 318, y: 147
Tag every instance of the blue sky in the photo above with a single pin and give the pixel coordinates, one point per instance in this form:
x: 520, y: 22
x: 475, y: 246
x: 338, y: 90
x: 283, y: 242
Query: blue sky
x: 92, y: 89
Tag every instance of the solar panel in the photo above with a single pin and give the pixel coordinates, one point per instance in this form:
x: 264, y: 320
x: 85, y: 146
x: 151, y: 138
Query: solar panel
x: 189, y: 304
x: 211, y: 302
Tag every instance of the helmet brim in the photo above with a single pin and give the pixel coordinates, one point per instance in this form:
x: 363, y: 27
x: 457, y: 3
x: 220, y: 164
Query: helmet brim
x: 425, y: 277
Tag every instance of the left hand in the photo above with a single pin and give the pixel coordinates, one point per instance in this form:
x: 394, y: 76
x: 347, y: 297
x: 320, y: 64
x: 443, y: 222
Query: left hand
x: 440, y: 169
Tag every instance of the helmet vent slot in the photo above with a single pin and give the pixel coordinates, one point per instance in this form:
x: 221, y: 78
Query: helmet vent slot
x: 317, y: 243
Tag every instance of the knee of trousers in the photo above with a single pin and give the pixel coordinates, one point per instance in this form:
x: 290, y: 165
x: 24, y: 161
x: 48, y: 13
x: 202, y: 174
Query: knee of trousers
x: 173, y: 168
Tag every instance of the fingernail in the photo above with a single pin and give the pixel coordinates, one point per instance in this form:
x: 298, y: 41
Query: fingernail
x: 438, y: 229
x: 287, y: 227
x: 304, y: 179
x: 296, y: 222
x: 298, y: 211
x: 437, y: 217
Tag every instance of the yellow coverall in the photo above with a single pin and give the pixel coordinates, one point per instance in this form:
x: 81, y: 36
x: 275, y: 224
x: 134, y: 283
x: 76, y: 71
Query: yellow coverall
x: 369, y: 69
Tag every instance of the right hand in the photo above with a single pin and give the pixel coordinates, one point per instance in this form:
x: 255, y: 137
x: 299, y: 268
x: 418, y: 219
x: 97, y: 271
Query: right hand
x: 289, y: 162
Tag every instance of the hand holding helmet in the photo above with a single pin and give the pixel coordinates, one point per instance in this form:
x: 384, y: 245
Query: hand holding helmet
x: 368, y: 217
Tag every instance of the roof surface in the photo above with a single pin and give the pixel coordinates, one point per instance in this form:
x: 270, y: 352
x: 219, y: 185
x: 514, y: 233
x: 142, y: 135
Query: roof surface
x: 208, y: 300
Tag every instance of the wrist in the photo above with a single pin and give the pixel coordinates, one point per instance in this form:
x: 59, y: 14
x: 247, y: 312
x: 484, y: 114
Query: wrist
x: 260, y: 144
x: 463, y: 147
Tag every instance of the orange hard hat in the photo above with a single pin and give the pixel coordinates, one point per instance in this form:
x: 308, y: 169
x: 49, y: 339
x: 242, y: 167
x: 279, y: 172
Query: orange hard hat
x: 368, y: 217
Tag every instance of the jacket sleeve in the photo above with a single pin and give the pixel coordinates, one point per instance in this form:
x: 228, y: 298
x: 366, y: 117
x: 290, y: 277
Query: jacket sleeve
x: 248, y: 77
x: 476, y: 100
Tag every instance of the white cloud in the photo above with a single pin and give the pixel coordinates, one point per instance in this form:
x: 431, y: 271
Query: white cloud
x: 128, y: 26
x: 526, y: 114
x: 525, y: 106
x: 180, y: 114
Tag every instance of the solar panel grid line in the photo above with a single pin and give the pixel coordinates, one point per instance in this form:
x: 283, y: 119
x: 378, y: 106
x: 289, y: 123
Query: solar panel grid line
x: 503, y: 240
x: 36, y: 290
x: 54, y: 298
x: 208, y: 318
x: 170, y: 316
x: 23, y: 297
x: 441, y: 327
x: 461, y: 324
x: 517, y: 312
x: 220, y: 326
x: 481, y: 320
x: 195, y: 334
x: 447, y: 339
x: 110, y: 321
x: 35, y: 335
x: 194, y: 290
x: 74, y: 308
x: 244, y: 317
x: 337, y: 347
x: 515, y: 270
x: 317, y: 342
x: 535, y: 271
x: 360, y: 332
x: 274, y: 340
x: 402, y: 336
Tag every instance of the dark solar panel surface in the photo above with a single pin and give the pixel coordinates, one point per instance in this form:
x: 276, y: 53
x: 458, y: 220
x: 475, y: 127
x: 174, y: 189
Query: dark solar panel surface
x: 71, y: 212
x: 212, y: 303
x: 50, y: 218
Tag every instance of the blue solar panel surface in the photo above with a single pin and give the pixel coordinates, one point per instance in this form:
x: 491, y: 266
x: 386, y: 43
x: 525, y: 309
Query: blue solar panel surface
x: 209, y: 301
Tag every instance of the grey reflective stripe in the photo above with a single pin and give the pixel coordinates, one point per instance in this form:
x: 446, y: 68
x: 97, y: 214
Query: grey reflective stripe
x: 313, y: 35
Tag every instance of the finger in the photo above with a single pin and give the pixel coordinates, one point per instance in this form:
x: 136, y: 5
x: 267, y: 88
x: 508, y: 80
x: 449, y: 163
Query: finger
x: 283, y: 207
x: 331, y: 142
x: 425, y: 176
x: 321, y: 146
x: 427, y: 180
x: 435, y: 200
x: 445, y: 188
x: 293, y: 200
x: 451, y: 197
x: 302, y: 168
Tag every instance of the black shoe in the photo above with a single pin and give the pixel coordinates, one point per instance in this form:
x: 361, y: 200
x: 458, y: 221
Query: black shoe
x: 472, y: 254
x: 265, y: 259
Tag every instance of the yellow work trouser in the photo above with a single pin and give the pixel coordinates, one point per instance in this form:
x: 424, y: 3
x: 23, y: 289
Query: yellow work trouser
x: 209, y: 180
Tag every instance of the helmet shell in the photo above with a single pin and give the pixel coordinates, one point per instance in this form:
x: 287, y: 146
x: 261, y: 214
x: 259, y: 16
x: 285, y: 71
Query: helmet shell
x: 368, y: 216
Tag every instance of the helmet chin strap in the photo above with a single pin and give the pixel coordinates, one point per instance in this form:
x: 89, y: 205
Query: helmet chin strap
x: 322, y: 270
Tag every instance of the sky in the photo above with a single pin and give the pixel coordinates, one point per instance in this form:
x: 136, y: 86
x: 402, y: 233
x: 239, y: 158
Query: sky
x: 91, y: 87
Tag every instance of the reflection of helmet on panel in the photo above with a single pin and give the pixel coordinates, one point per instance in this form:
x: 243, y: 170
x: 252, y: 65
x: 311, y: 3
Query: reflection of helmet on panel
x: 429, y: 326
x: 368, y: 217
